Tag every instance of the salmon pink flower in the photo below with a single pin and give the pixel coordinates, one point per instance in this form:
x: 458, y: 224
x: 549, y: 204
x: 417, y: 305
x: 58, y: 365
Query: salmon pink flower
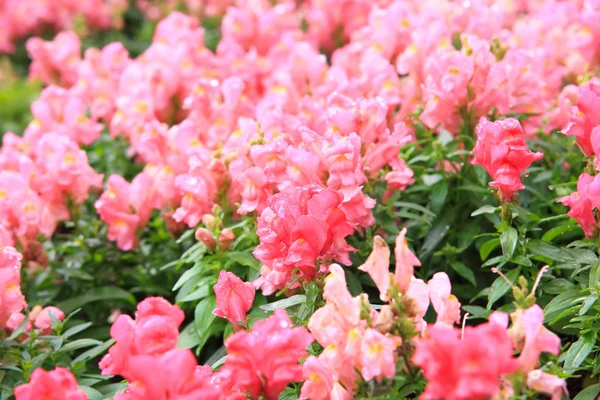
x: 234, y: 297
x: 44, y: 321
x: 377, y: 356
x: 580, y: 202
x: 502, y: 151
x: 584, y: 116
x: 405, y: 262
x: 265, y: 359
x: 445, y: 304
x: 58, y: 384
x: 11, y: 298
x: 531, y: 337
x: 172, y: 375
x: 548, y: 384
x: 378, y: 266
x: 154, y: 331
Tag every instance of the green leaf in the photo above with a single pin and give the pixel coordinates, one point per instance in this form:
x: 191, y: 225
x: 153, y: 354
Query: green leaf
x: 500, y: 286
x: 560, y: 303
x: 95, y: 352
x: 488, y: 247
x: 558, y: 286
x: 464, y: 271
x: 96, y: 294
x: 580, y: 350
x: 508, y: 241
x: 92, y: 394
x: 76, y: 329
x: 438, y: 196
x: 244, y: 258
x: 187, y: 275
x: 589, y: 393
x: 188, y: 337
x: 284, y: 303
x: 79, y: 344
x: 477, y: 312
x: 487, y: 209
x: 437, y: 232
x: 204, y: 317
x: 588, y: 303
x: 544, y: 249
x: 199, y: 293
x: 404, y: 204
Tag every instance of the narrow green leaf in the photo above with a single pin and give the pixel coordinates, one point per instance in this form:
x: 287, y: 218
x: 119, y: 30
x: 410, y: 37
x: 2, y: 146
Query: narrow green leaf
x: 96, y: 294
x: 589, y: 393
x: 580, y: 350
x: 76, y: 329
x: 488, y: 247
x: 79, y: 344
x: 560, y: 303
x: 487, y: 209
x: 500, y: 286
x: 464, y: 271
x: 244, y: 258
x: 508, y: 241
x: 92, y: 394
x: 204, y: 317
x: 284, y: 303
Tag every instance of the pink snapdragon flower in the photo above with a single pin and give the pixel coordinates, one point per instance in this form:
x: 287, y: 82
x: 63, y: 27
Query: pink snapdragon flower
x: 580, y: 202
x: 265, y: 359
x: 405, y: 262
x: 502, y: 151
x: 548, y: 384
x: 58, y: 384
x: 55, y: 62
x: 297, y: 230
x: 11, y: 298
x: 467, y: 368
x: 445, y: 304
x: 153, y: 332
x: 234, y: 297
x: 172, y: 375
x: 584, y: 117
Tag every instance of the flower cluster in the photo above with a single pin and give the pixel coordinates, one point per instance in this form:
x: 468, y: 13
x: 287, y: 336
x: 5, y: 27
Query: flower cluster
x: 263, y: 360
x: 22, y: 18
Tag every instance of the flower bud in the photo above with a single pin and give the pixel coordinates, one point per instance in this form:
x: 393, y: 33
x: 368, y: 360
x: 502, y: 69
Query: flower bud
x: 209, y: 221
x: 226, y: 238
x: 385, y: 319
x: 204, y: 235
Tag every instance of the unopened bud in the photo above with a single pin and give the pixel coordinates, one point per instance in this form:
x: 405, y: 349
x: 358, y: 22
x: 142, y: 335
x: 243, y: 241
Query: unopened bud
x: 385, y: 319
x: 204, y: 235
x: 226, y: 238
x: 209, y: 221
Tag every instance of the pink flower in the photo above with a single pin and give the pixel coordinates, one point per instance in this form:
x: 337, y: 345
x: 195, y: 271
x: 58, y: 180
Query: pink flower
x: 296, y: 230
x: 468, y: 368
x: 154, y: 331
x: 531, y: 337
x: 319, y: 379
x: 58, y: 384
x: 265, y: 359
x: 584, y: 116
x: 445, y: 304
x: 502, y: 151
x: 172, y: 375
x: 55, y: 61
x: 377, y: 356
x: 548, y: 384
x: 234, y: 297
x: 405, y: 262
x: 581, y: 205
x: 44, y: 321
x: 11, y: 299
x: 378, y: 266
